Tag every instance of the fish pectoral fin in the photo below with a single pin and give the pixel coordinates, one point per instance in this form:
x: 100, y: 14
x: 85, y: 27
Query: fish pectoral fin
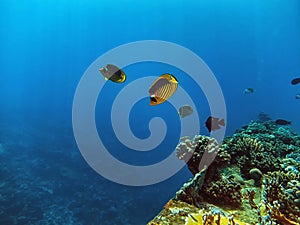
x: 216, y: 127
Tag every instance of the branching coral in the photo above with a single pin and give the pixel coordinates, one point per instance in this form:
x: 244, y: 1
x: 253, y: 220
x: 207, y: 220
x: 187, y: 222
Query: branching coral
x: 280, y: 193
x: 261, y: 145
x: 250, y: 196
x: 249, y: 153
x: 276, y: 214
x: 223, y: 192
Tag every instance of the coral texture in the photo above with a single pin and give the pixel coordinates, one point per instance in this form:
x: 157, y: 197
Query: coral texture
x: 255, y: 172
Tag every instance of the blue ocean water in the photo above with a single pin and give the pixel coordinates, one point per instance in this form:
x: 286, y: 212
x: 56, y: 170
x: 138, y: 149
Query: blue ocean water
x: 46, y: 46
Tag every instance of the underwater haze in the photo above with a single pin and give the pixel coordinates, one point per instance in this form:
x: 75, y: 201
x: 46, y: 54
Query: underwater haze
x: 46, y: 48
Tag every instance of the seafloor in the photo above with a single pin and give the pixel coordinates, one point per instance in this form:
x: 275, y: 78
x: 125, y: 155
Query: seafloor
x: 45, y: 181
x: 253, y: 179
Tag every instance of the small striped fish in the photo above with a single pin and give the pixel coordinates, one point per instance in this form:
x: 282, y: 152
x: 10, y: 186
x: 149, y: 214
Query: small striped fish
x: 162, y: 89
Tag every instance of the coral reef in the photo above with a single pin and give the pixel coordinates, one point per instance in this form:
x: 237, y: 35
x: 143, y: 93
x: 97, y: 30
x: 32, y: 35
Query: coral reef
x: 199, y: 152
x: 249, y: 153
x: 190, y: 192
x: 254, y: 173
x: 174, y: 212
x: 282, y: 188
x: 178, y: 212
x: 212, y: 217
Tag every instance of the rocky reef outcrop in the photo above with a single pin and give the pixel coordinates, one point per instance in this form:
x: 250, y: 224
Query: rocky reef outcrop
x: 252, y: 177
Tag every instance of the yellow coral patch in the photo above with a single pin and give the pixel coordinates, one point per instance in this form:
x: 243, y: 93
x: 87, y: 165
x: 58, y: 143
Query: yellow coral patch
x: 208, y: 218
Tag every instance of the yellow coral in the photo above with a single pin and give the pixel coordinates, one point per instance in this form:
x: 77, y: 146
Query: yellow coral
x: 253, y: 144
x: 275, y: 213
x: 208, y: 218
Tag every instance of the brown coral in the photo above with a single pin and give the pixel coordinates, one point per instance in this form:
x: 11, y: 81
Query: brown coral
x: 276, y: 214
x: 223, y: 192
x: 191, y: 191
x: 200, y: 152
x: 277, y: 188
x: 249, y: 153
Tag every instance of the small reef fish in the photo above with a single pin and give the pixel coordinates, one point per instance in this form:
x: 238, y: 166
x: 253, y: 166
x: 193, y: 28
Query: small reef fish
x: 295, y: 81
x: 248, y: 90
x: 282, y: 122
x: 297, y: 96
x: 214, y: 123
x: 162, y: 89
x: 113, y: 73
x: 185, y: 110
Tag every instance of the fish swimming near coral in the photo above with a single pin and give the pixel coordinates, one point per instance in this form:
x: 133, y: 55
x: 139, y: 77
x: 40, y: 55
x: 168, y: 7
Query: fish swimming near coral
x: 295, y: 81
x: 185, y: 110
x: 113, y: 73
x: 248, y: 90
x: 282, y: 122
x: 162, y: 89
x: 214, y: 123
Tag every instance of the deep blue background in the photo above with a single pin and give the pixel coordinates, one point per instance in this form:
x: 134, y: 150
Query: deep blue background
x: 47, y: 45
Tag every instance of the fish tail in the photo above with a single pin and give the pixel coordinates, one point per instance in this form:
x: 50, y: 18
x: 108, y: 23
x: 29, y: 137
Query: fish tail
x: 222, y: 122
